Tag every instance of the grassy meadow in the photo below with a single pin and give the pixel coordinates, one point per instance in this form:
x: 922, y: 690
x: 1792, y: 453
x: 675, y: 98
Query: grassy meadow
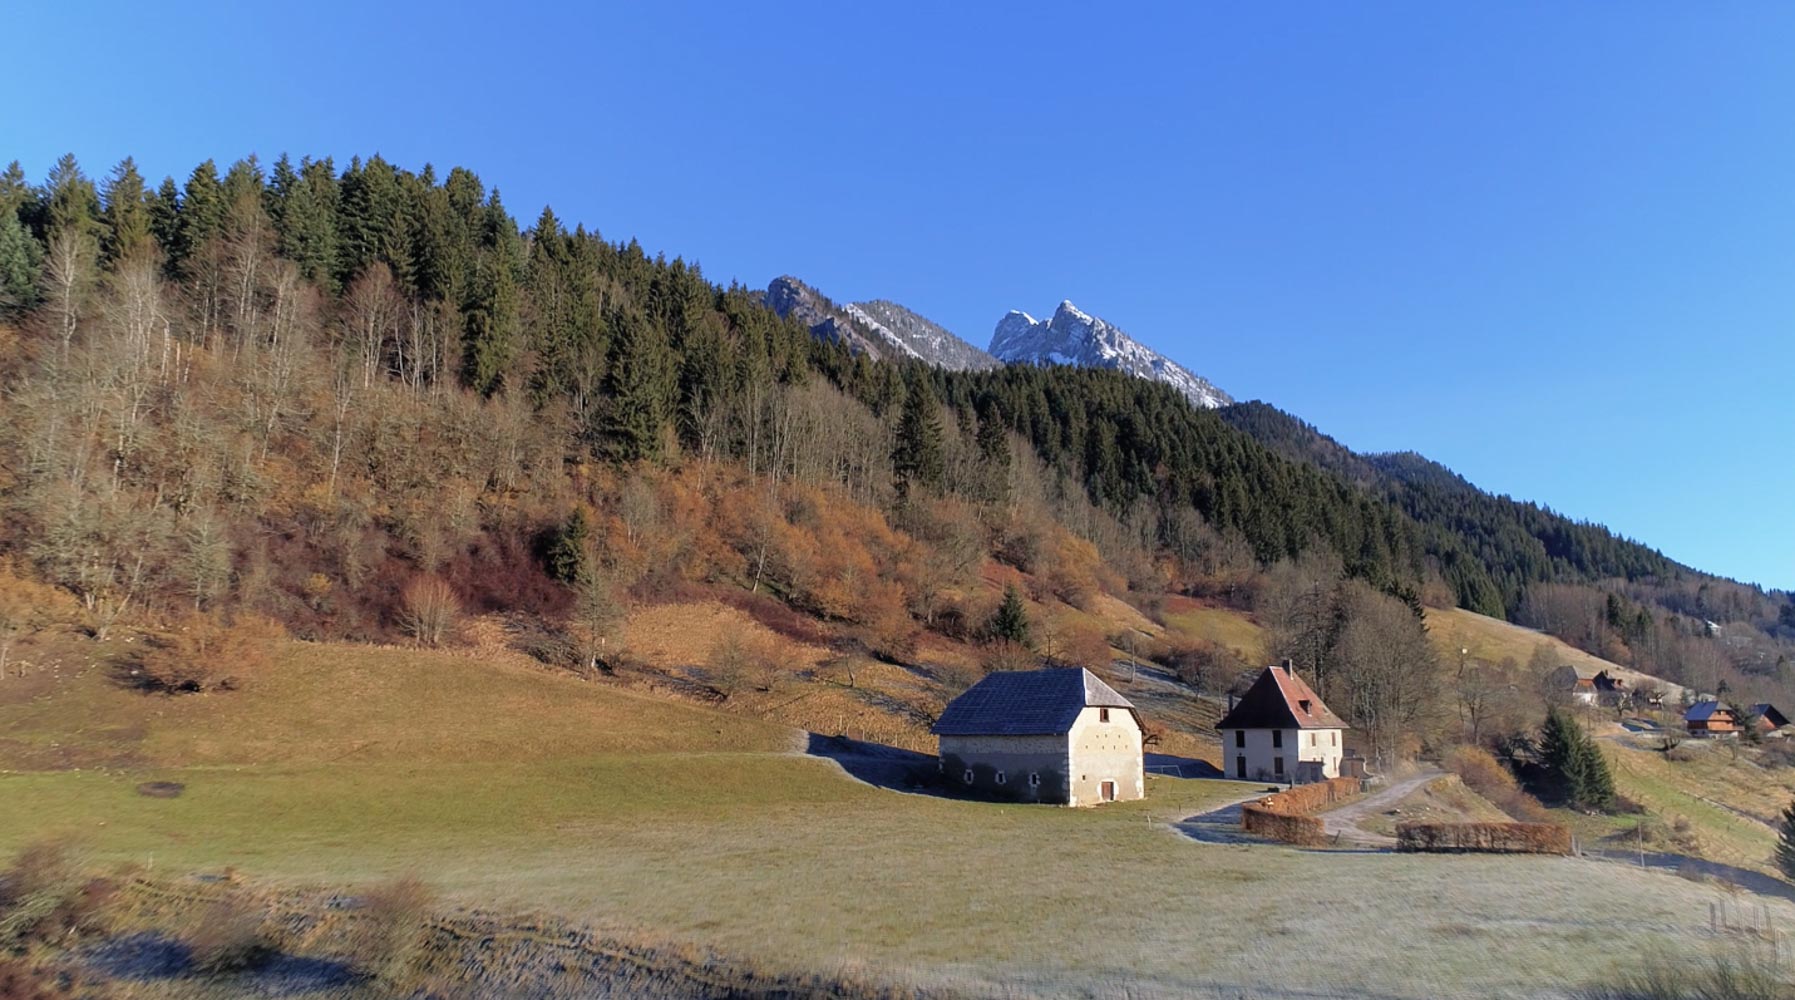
x: 506, y: 787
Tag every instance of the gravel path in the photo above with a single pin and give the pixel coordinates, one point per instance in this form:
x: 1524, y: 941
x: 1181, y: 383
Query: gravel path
x: 1343, y: 823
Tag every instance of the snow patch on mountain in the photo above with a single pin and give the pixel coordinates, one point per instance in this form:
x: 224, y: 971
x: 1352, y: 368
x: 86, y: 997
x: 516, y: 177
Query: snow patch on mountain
x: 1074, y: 337
x: 879, y: 329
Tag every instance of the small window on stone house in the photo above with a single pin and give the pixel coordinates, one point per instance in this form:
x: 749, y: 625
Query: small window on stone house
x: 969, y: 776
x: 1277, y: 738
x: 1034, y: 779
x: 1335, y: 735
x: 1240, y: 737
x: 1103, y: 715
x: 1000, y: 777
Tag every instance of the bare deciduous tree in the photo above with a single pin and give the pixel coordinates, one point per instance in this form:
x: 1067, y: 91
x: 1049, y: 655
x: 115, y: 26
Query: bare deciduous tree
x: 428, y: 610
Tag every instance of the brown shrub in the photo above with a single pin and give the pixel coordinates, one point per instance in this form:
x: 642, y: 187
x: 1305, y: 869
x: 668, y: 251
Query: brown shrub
x: 1493, y: 838
x: 388, y: 938
x: 45, y: 895
x: 200, y: 653
x: 231, y: 934
x: 1484, y: 774
x: 21, y: 979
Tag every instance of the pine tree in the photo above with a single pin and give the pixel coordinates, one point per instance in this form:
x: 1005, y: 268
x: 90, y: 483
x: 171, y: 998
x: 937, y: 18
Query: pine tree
x: 1010, y: 622
x: 1785, y: 843
x: 916, y: 456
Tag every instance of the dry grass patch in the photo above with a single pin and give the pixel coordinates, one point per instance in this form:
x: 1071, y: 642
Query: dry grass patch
x: 1190, y: 620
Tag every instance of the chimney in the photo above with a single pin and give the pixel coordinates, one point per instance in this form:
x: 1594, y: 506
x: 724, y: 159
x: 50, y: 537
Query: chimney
x: 1230, y: 701
x: 1288, y: 666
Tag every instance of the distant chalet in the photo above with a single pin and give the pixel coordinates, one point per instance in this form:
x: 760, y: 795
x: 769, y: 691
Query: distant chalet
x: 1711, y: 718
x: 1281, y: 731
x: 1060, y: 736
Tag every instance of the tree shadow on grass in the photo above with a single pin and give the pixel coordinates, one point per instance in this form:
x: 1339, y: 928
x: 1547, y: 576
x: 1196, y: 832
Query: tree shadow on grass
x: 150, y: 957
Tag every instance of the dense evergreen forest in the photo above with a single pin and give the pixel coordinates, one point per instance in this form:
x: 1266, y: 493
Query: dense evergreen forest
x: 272, y: 386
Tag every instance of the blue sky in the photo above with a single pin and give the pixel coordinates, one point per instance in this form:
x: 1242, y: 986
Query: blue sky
x: 1550, y: 245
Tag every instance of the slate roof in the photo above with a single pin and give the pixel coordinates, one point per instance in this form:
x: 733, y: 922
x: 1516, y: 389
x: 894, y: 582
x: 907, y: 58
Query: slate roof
x: 1277, y: 700
x: 1702, y: 711
x: 1027, y: 703
x: 1767, y: 712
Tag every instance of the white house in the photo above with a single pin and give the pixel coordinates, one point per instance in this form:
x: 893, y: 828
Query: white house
x: 1281, y: 731
x: 1058, y: 735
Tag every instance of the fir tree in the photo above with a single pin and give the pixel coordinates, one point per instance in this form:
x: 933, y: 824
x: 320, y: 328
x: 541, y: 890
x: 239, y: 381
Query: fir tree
x: 1010, y: 622
x: 1576, y: 773
x: 639, y: 385
x: 20, y: 256
x: 127, y: 215
x: 15, y: 191
x: 201, y: 215
x: 164, y: 211
x: 1561, y: 757
x: 916, y: 457
x: 72, y: 203
x: 1785, y: 843
x: 1598, y: 782
x: 566, y: 557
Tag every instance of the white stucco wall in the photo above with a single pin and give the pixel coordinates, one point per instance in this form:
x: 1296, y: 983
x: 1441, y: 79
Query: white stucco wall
x: 1323, y: 746
x: 1106, y: 751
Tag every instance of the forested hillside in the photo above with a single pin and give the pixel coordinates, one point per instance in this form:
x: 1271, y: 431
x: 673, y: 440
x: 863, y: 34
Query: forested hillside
x: 325, y: 394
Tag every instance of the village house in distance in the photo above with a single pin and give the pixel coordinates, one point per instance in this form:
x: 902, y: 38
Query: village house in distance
x: 1058, y: 735
x: 1281, y: 731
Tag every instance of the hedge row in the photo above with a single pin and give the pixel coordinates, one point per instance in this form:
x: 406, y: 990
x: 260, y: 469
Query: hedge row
x: 1305, y: 799
x: 1303, y: 831
x: 1498, y: 838
x: 1285, y: 815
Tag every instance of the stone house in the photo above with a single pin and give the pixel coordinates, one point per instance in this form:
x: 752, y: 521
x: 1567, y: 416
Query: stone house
x: 1280, y: 730
x: 1058, y: 735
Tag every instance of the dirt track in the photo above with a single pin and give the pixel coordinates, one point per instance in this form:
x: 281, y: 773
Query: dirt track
x: 1343, y: 823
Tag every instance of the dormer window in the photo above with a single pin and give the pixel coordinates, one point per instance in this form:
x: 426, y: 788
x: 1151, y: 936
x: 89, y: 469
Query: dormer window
x: 1304, y: 705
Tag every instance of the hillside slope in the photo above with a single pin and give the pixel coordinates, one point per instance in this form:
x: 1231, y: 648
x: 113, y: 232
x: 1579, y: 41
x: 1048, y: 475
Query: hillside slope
x: 507, y: 788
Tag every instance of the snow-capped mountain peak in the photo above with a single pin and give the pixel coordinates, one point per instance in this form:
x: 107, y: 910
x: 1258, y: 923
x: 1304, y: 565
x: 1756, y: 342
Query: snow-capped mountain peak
x: 1075, y: 337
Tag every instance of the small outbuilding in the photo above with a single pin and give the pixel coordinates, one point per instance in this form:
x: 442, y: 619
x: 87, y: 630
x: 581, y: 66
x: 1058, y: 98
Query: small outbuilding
x: 1768, y: 720
x: 1711, y: 718
x: 1059, y: 735
x: 1280, y: 730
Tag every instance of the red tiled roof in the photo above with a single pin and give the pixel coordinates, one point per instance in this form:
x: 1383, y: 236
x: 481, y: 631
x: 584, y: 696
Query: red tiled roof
x: 1279, y: 699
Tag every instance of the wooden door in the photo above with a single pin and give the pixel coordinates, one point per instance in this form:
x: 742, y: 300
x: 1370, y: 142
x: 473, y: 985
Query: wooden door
x: 1108, y: 790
